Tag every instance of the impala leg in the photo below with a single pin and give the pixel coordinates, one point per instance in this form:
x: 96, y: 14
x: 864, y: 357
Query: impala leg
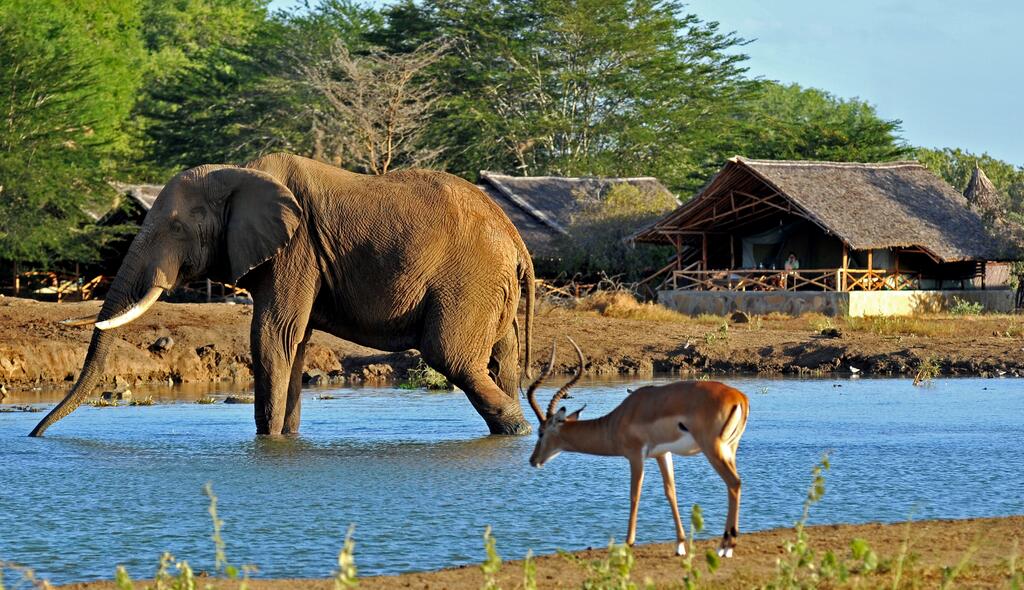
x: 669, y: 480
x: 723, y: 459
x: 636, y: 482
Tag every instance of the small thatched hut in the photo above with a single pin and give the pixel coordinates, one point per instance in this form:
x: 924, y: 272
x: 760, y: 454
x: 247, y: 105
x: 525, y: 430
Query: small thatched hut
x: 541, y: 207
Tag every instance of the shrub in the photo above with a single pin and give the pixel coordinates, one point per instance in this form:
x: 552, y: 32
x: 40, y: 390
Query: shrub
x: 965, y: 307
x: 423, y: 377
x: 623, y: 305
x: 602, y: 222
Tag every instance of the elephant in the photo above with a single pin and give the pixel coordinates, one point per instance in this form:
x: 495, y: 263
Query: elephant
x: 412, y: 259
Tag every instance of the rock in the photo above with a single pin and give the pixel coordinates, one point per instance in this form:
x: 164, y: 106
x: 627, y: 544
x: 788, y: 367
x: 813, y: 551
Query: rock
x: 314, y: 378
x: 739, y: 317
x: 240, y: 399
x: 832, y: 333
x: 3, y: 392
x: 377, y: 371
x: 204, y: 350
x: 117, y: 396
x: 162, y: 344
x: 336, y: 377
x: 121, y: 384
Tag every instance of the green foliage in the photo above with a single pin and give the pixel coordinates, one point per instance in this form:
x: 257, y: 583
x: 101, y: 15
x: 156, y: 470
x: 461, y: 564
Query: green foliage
x: 601, y: 224
x: 492, y: 563
x: 610, y: 573
x: 580, y: 87
x: 789, y: 122
x: 422, y: 376
x: 691, y: 574
x: 798, y: 562
x: 955, y: 166
x: 529, y: 572
x: 65, y: 104
x: 345, y: 575
x: 964, y: 307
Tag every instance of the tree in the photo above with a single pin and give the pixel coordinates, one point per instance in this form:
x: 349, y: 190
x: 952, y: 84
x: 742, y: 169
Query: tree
x: 602, y: 222
x: 955, y: 166
x: 376, y: 106
x: 63, y: 133
x: 789, y: 122
x: 234, y: 97
x: 578, y: 87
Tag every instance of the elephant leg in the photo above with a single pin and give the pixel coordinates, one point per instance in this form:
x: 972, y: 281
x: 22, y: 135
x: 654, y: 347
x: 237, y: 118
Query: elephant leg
x: 293, y: 407
x: 279, y: 320
x: 503, y: 366
x: 502, y: 413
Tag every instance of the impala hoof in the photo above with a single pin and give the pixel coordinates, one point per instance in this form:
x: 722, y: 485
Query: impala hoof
x: 681, y: 548
x: 726, y: 553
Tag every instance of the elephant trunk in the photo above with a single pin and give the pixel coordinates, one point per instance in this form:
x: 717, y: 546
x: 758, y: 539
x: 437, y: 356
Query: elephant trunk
x: 124, y: 297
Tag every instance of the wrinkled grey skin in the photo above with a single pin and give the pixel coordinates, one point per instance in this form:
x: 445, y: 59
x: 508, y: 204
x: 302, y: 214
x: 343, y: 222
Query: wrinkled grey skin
x: 409, y: 260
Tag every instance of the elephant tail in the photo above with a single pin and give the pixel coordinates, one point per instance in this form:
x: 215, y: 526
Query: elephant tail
x: 530, y: 286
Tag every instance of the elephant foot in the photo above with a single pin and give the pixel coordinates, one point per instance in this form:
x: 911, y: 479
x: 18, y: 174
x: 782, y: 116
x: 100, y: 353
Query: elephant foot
x: 508, y: 423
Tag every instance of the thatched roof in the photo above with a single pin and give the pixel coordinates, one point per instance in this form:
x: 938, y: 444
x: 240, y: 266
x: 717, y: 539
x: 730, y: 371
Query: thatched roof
x: 980, y: 191
x: 541, y: 207
x: 868, y: 206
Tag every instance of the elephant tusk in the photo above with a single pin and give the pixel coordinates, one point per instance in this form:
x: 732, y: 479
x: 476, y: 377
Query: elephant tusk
x: 132, y: 314
x: 87, y: 320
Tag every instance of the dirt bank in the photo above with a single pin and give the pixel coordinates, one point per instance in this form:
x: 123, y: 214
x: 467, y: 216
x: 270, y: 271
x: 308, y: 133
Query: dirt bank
x: 211, y: 343
x: 932, y: 546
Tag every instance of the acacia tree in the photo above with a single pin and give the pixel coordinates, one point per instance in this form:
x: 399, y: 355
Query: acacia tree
x: 376, y: 106
x: 789, y: 122
x: 576, y: 87
x: 61, y: 132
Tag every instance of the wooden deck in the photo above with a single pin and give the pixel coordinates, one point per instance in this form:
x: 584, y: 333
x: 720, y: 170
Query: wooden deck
x: 818, y: 279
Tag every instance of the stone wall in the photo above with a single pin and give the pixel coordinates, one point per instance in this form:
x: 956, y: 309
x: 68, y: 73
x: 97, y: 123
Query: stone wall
x: 830, y: 303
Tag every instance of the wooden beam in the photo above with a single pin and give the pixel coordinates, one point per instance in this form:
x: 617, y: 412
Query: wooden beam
x: 679, y: 251
x: 704, y: 251
x: 732, y: 251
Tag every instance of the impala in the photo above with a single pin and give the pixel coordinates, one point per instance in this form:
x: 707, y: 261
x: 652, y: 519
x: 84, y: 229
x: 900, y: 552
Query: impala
x: 683, y: 418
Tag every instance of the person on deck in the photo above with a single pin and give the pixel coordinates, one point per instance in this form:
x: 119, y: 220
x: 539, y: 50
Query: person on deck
x: 792, y: 265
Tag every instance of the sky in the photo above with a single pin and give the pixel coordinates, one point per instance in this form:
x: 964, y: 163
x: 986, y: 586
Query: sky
x: 952, y: 71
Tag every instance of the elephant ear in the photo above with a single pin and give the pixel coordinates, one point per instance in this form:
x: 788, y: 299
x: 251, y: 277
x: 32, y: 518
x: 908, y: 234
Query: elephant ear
x: 262, y: 215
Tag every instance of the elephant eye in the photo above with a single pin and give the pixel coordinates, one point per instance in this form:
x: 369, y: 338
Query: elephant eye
x: 177, y: 227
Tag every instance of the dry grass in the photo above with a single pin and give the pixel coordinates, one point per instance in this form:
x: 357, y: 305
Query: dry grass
x: 622, y: 305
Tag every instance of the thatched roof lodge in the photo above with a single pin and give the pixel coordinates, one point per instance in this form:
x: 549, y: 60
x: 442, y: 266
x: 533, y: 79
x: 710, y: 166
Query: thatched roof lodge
x: 541, y: 207
x: 891, y: 226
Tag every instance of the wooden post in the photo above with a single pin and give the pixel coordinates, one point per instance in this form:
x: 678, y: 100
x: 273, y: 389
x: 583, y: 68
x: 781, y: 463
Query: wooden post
x: 677, y: 241
x: 896, y: 269
x: 846, y: 262
x: 209, y: 291
x: 732, y: 252
x: 17, y: 280
x: 704, y: 250
x: 868, y: 276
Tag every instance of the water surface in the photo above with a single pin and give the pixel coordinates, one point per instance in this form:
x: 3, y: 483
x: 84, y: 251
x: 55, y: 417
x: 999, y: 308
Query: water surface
x: 414, y: 472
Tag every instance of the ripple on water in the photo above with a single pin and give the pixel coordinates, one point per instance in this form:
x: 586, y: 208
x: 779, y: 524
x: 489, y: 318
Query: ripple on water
x: 416, y: 475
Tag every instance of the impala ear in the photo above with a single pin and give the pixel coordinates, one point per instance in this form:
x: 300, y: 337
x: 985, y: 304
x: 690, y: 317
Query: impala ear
x: 559, y: 416
x: 575, y: 415
x: 262, y: 216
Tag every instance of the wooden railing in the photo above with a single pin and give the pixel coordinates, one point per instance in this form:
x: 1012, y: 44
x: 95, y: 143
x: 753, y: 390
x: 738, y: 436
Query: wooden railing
x: 820, y: 279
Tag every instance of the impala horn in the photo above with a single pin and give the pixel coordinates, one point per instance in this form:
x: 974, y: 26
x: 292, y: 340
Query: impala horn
x: 565, y: 388
x: 530, y: 392
x: 134, y: 312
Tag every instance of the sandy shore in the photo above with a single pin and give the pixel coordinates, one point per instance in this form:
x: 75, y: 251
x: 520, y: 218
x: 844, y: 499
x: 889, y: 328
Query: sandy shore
x: 931, y: 546
x: 211, y: 344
